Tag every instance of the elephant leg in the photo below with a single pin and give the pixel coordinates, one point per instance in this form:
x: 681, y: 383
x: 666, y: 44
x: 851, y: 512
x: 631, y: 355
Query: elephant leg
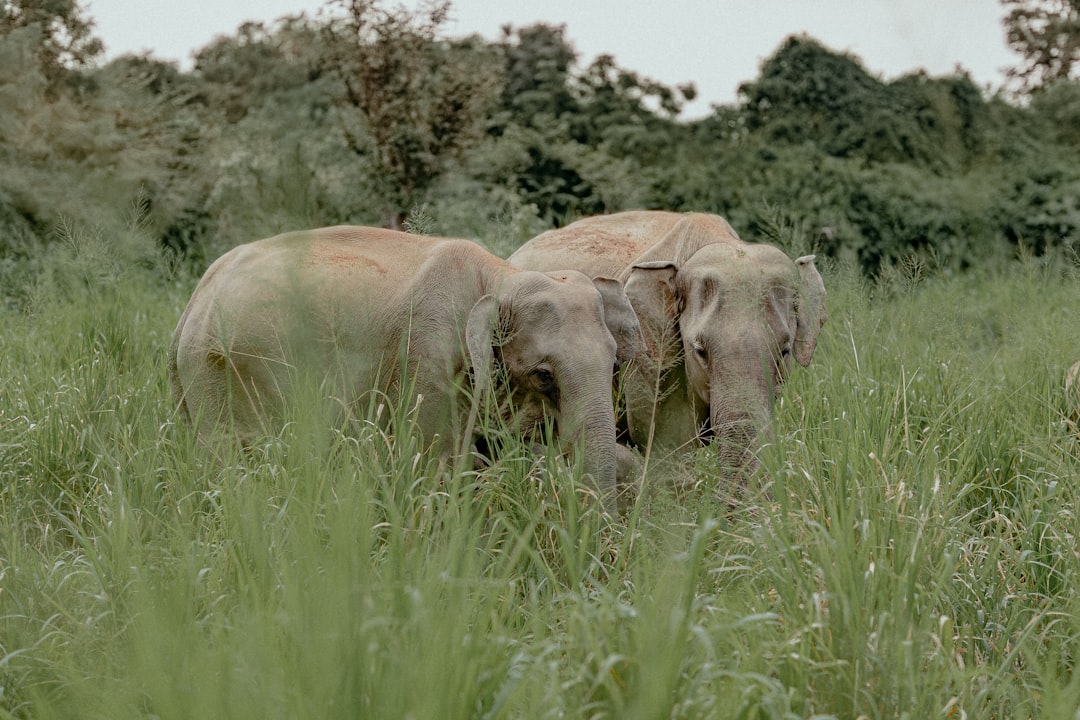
x: 628, y: 476
x: 660, y: 415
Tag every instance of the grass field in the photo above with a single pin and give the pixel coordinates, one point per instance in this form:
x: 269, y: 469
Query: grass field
x: 915, y: 554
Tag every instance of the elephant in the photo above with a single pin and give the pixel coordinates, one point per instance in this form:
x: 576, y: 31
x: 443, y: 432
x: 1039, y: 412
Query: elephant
x: 722, y: 319
x: 363, y: 310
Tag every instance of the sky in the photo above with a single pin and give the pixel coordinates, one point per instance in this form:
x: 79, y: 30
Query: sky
x: 715, y: 44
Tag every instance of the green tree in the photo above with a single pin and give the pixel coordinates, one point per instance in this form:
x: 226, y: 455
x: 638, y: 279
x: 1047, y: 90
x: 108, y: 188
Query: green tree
x: 66, y: 42
x: 804, y: 82
x: 22, y: 87
x: 159, y: 137
x: 538, y: 60
x: 273, y: 156
x: 532, y: 152
x: 1058, y: 108
x: 809, y: 93
x: 626, y: 113
x: 1046, y: 34
x: 240, y: 71
x: 412, y: 102
x: 574, y: 142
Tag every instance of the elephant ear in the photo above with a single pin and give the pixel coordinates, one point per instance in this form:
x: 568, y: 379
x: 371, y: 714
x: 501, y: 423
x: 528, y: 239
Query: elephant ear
x: 811, y: 313
x: 480, y: 329
x: 652, y: 292
x: 620, y: 318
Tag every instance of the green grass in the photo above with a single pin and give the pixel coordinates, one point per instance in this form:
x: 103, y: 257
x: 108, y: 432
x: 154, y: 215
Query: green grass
x: 915, y: 554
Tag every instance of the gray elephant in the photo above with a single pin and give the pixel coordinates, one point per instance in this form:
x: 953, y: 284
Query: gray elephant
x: 359, y: 310
x: 722, y: 320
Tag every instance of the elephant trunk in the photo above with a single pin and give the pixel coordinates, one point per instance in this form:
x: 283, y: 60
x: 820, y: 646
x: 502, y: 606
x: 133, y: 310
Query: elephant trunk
x: 589, y: 428
x: 736, y: 437
x: 740, y: 416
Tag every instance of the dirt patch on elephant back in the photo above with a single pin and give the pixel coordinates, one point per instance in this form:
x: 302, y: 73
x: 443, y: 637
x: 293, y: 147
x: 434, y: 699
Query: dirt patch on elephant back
x: 602, y: 244
x: 331, y: 255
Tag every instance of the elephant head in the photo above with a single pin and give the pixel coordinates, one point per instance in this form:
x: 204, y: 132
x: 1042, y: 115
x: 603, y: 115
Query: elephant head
x: 555, y: 339
x: 723, y: 320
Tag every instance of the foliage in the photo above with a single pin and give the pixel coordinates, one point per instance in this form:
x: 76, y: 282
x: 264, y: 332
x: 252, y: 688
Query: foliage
x: 420, y: 101
x: 1058, y: 108
x: 257, y: 65
x: 808, y: 93
x: 66, y: 41
x: 1046, y: 33
x: 916, y: 555
x: 881, y: 170
x: 538, y: 60
x: 361, y: 114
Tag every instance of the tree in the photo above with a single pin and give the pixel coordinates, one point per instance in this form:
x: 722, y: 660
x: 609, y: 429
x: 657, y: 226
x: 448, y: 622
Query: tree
x: 538, y: 61
x: 1046, y: 33
x: 66, y: 41
x: 809, y: 93
x: 574, y: 142
x: 240, y: 72
x: 822, y: 92
x: 412, y: 102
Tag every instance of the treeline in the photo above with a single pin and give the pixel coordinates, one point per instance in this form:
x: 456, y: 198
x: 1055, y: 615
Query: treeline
x: 367, y: 115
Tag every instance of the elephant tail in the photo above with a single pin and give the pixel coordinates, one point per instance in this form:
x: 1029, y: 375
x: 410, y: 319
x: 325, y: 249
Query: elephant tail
x: 180, y: 404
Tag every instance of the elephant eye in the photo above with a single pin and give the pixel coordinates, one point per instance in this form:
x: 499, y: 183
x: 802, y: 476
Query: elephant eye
x: 544, y: 379
x: 700, y: 351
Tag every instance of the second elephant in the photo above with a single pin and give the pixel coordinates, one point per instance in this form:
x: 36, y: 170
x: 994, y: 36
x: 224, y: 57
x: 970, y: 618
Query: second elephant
x: 722, y: 319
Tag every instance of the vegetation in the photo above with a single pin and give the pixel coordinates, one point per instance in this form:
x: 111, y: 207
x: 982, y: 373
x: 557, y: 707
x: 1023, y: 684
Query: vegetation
x: 1046, y: 33
x: 420, y: 100
x: 364, y: 114
x: 909, y: 549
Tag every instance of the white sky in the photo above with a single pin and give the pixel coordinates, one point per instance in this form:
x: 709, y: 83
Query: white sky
x: 716, y: 44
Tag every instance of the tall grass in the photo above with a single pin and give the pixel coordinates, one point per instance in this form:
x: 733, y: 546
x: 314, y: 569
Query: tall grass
x: 911, y: 550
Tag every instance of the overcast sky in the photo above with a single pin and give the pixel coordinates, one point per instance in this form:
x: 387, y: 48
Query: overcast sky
x: 716, y: 44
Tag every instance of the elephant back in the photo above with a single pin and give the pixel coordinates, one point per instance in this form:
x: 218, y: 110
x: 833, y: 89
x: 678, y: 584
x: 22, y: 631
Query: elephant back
x: 610, y: 245
x: 601, y: 246
x: 683, y: 238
